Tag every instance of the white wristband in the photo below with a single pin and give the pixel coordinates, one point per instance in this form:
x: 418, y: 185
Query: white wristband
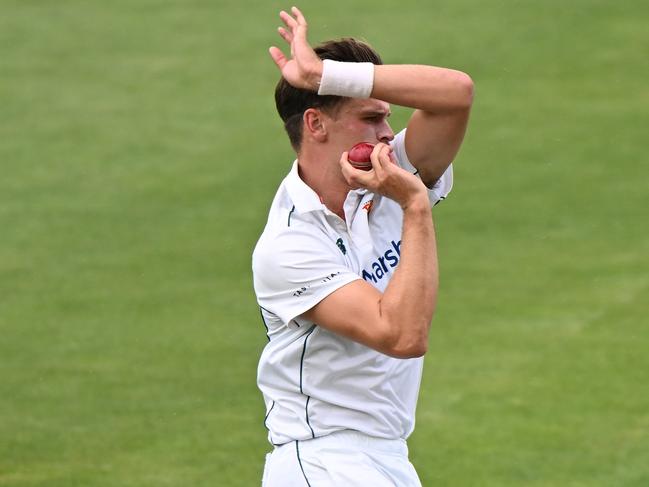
x: 354, y: 80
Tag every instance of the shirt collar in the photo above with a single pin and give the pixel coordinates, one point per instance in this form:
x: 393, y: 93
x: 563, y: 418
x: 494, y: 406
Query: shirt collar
x: 303, y: 196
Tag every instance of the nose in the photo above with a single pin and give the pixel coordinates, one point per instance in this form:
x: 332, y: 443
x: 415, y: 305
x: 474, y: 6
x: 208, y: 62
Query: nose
x: 385, y: 133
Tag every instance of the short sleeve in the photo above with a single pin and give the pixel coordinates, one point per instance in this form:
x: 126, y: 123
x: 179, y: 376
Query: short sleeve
x: 442, y: 187
x: 295, y: 270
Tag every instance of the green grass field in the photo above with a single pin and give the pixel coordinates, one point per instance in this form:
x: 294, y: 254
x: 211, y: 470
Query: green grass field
x: 139, y: 152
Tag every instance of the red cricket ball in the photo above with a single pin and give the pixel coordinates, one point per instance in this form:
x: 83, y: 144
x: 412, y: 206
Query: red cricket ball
x: 359, y: 156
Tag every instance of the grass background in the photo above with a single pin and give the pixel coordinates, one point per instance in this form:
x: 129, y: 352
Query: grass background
x: 139, y: 152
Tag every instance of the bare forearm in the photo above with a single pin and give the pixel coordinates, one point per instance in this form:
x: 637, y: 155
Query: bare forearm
x: 428, y: 88
x: 408, y: 302
x: 442, y: 99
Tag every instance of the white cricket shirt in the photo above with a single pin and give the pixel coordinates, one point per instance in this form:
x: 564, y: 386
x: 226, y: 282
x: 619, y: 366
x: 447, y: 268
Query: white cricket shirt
x: 315, y: 382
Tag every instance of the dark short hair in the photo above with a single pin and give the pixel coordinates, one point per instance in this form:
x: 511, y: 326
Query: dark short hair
x: 292, y: 102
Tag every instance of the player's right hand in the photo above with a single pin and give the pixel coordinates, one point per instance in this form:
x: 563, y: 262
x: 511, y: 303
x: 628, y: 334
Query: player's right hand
x: 386, y: 178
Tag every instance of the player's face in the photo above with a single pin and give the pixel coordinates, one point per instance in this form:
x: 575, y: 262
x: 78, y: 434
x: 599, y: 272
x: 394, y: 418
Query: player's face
x: 361, y: 120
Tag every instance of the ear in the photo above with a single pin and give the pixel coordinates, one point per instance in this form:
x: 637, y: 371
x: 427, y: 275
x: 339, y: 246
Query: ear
x: 315, y: 124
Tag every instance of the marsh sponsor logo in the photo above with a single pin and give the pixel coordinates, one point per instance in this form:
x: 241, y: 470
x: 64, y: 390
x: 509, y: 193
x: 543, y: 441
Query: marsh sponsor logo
x: 381, y: 266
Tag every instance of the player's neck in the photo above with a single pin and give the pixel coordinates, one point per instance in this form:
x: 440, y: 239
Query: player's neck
x: 324, y: 177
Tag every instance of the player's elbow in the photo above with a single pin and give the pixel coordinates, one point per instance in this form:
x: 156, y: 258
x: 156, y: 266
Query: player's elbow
x: 402, y: 331
x: 465, y: 89
x: 457, y: 89
x: 409, y: 343
x: 413, y: 350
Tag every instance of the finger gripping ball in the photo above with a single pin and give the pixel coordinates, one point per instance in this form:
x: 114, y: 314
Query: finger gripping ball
x: 359, y: 156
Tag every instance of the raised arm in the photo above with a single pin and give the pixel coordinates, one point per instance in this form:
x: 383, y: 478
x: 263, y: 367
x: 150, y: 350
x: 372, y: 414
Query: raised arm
x: 441, y: 97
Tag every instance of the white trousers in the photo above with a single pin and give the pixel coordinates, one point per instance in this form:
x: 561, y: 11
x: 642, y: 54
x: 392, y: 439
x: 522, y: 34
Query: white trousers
x: 340, y: 459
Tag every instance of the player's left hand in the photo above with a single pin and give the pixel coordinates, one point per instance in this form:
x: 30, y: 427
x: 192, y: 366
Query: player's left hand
x: 304, y: 68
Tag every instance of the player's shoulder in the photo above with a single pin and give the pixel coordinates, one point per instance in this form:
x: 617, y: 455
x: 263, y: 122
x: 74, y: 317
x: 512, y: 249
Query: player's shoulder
x: 442, y: 187
x: 398, y: 144
x: 291, y: 236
